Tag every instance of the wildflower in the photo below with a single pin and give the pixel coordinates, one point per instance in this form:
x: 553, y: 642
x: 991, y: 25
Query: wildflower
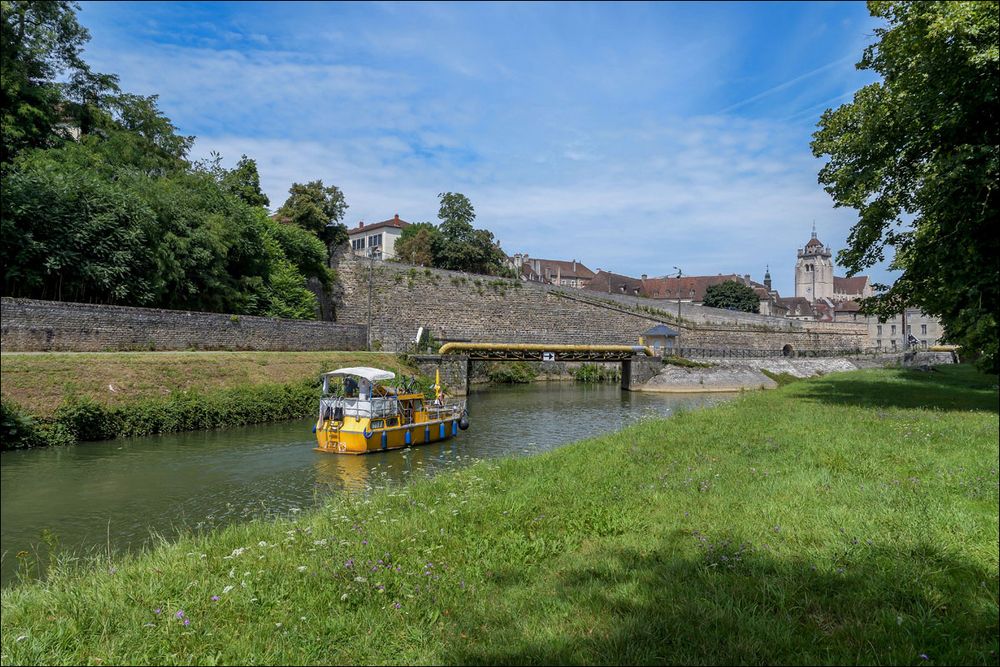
x: 226, y: 589
x: 180, y: 613
x: 215, y: 598
x: 349, y: 564
x: 301, y: 568
x: 157, y: 611
x: 397, y: 605
x: 187, y: 621
x: 924, y: 656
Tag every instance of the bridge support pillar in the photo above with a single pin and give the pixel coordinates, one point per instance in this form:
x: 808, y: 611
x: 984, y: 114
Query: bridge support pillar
x: 454, y: 370
x: 638, y: 370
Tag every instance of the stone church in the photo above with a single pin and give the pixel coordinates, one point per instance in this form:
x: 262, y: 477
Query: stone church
x: 833, y: 298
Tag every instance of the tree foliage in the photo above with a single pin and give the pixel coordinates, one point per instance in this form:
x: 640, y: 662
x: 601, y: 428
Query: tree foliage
x: 917, y: 155
x: 318, y: 209
x: 39, y: 42
x: 416, y: 244
x: 113, y: 211
x: 732, y: 295
x: 461, y: 247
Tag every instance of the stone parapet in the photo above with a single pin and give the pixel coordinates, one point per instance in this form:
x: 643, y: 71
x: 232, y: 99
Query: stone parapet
x: 30, y: 325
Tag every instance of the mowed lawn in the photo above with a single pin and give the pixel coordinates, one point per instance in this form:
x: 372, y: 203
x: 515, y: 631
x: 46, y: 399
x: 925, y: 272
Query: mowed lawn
x: 39, y: 382
x: 849, y: 519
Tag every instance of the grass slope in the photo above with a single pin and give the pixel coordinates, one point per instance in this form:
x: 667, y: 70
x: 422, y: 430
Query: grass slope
x: 39, y: 382
x: 840, y: 520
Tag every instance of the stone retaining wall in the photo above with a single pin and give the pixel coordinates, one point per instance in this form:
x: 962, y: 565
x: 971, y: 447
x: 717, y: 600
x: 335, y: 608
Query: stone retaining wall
x: 29, y: 325
x: 455, y: 306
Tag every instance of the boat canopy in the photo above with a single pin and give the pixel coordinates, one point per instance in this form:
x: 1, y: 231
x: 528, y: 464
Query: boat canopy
x: 370, y: 374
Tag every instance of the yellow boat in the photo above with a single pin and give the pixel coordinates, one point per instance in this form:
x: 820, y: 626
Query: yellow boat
x: 362, y: 414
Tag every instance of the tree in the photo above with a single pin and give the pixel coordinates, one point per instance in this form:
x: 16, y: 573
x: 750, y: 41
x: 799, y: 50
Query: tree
x: 732, y: 295
x: 460, y: 246
x: 39, y: 42
x: 317, y: 208
x: 244, y: 182
x: 416, y: 244
x: 917, y: 155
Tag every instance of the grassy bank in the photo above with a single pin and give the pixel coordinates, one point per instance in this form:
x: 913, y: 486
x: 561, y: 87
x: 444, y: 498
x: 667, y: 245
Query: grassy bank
x: 60, y: 398
x: 845, y: 519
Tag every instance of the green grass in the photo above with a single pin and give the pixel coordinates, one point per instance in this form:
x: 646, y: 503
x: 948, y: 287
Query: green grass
x: 840, y: 520
x: 40, y: 382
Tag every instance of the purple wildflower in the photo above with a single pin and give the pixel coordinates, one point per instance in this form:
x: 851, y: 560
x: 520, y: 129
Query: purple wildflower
x: 924, y: 656
x: 349, y: 564
x: 215, y: 598
x: 157, y: 611
x: 187, y: 621
x: 398, y: 605
x: 364, y: 543
x: 180, y: 613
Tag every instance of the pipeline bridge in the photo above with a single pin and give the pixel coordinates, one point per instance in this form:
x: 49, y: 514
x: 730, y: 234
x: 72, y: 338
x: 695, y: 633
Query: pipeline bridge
x: 638, y: 362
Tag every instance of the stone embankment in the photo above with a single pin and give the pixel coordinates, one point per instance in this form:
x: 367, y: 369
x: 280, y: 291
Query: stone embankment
x: 749, y: 373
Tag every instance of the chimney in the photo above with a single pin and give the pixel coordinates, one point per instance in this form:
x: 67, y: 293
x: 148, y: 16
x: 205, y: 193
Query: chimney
x: 574, y: 266
x: 396, y: 219
x: 746, y: 277
x: 361, y: 224
x: 644, y: 276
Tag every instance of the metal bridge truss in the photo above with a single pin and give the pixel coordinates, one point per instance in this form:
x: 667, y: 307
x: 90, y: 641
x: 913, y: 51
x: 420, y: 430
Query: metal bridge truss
x: 525, y: 352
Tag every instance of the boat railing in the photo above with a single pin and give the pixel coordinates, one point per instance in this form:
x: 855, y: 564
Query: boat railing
x: 448, y: 409
x: 358, y: 407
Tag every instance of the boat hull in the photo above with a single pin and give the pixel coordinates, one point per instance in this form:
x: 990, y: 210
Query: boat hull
x: 345, y: 440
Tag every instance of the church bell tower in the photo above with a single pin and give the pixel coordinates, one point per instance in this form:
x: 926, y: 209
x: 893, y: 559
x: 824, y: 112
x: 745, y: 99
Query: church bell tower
x: 814, y: 270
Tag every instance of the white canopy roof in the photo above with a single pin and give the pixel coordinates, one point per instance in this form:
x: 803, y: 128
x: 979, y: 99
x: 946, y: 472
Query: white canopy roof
x: 370, y: 374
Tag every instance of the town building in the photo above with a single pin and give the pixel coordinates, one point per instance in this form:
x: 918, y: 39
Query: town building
x: 552, y: 271
x: 835, y: 299
x: 377, y: 240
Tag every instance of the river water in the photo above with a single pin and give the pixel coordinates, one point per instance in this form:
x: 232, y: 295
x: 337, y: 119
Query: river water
x: 120, y: 492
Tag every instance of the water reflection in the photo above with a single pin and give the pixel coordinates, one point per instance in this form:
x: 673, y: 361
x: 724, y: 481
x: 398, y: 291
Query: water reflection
x: 124, y: 490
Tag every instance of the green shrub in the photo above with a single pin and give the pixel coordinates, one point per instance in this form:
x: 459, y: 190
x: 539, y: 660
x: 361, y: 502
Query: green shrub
x: 510, y: 372
x: 594, y: 373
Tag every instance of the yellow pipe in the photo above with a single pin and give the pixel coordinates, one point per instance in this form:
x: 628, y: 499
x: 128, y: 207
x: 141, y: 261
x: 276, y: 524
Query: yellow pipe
x: 534, y: 347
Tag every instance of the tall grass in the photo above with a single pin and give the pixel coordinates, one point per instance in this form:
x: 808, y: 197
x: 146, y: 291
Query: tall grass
x: 840, y: 520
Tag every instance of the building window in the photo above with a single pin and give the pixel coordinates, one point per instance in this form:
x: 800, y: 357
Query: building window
x: 893, y: 341
x: 878, y: 343
x: 879, y: 328
x: 893, y: 331
x: 374, y: 240
x: 924, y: 343
x: 909, y: 329
x: 923, y: 329
x: 358, y: 244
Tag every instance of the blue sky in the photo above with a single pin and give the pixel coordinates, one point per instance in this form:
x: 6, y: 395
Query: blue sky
x: 631, y: 137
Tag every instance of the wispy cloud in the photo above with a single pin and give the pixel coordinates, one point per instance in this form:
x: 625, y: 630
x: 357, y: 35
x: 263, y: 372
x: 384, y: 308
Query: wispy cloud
x: 579, y: 131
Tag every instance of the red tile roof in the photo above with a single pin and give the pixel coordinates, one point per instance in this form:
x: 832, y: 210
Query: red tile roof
x: 549, y: 269
x: 855, y: 285
x: 606, y: 281
x: 692, y: 288
x: 393, y: 222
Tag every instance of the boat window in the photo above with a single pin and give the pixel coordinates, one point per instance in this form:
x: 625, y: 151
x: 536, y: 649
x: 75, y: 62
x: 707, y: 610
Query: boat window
x: 418, y: 406
x: 377, y: 423
x: 391, y: 422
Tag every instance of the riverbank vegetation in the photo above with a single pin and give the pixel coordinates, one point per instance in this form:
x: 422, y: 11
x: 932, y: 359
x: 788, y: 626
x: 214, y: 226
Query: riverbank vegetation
x: 60, y: 398
x: 597, y: 373
x: 838, y: 520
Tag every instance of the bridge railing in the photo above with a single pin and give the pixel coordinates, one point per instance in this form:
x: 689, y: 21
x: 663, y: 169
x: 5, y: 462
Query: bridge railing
x: 727, y: 353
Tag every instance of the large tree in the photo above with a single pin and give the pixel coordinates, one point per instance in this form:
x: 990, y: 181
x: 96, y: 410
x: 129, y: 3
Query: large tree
x: 461, y: 247
x: 917, y: 154
x: 317, y: 208
x: 732, y: 295
x: 40, y: 42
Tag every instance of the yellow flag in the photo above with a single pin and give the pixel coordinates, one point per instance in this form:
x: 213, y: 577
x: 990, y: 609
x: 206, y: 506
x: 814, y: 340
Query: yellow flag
x: 437, y: 380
